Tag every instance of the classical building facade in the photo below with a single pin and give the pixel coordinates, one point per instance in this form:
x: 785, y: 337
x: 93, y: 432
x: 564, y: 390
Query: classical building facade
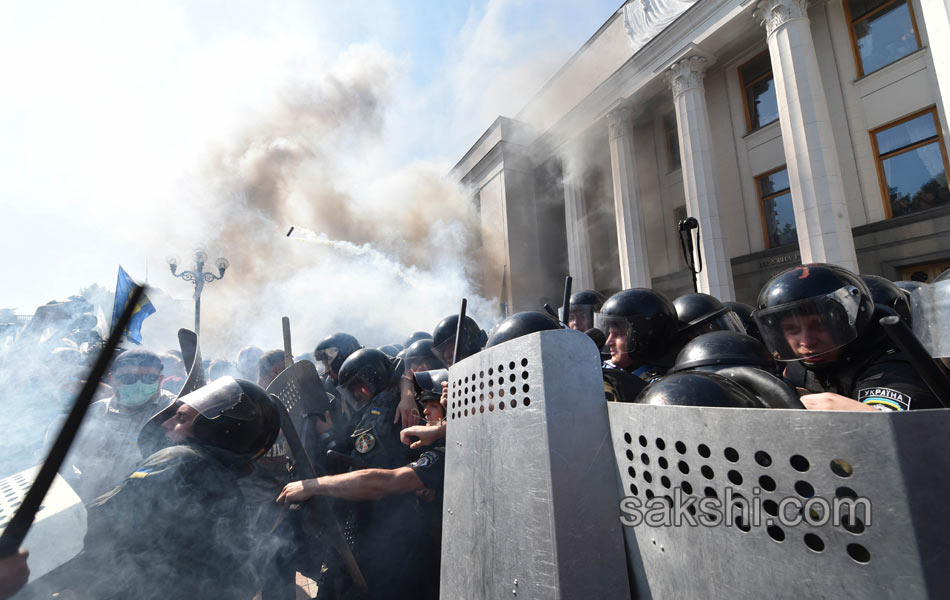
x: 792, y: 131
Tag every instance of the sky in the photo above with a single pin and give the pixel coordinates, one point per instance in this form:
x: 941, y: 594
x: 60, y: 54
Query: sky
x: 134, y: 131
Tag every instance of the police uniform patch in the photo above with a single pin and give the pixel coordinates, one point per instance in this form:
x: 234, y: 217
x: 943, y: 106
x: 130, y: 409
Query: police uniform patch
x: 425, y: 459
x: 884, y: 399
x: 365, y: 442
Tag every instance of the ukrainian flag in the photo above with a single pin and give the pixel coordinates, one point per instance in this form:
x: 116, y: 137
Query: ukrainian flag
x: 144, y: 308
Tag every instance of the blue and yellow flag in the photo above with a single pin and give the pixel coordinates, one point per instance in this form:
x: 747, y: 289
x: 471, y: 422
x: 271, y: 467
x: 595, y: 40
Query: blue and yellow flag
x: 123, y: 291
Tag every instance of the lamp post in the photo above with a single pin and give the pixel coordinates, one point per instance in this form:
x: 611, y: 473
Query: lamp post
x: 198, y: 276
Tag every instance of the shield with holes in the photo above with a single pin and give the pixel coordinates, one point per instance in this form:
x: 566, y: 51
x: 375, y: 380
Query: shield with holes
x: 531, y: 505
x: 767, y: 502
x: 300, y: 391
x: 60, y: 525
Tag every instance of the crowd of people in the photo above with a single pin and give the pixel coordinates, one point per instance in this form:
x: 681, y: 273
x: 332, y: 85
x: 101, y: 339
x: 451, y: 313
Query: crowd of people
x: 189, y: 495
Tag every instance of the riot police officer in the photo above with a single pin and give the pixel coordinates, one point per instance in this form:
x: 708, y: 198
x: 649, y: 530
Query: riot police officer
x: 420, y: 357
x: 641, y: 328
x: 820, y: 319
x: 330, y: 354
x: 384, y: 529
x: 520, y: 324
x: 443, y: 339
x: 583, y: 306
x: 177, y: 526
x: 700, y: 313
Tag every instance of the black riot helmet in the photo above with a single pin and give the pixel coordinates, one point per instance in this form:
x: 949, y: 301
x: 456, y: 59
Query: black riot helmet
x: 583, y: 306
x: 364, y: 374
x: 443, y: 339
x: 700, y: 313
x: 744, y: 312
x: 721, y: 349
x: 807, y: 312
x: 884, y: 292
x: 332, y: 351
x: 420, y: 357
x: 520, y: 324
x: 697, y: 388
x: 647, y: 319
x: 427, y: 385
x: 233, y: 415
x: 415, y: 337
x: 389, y: 349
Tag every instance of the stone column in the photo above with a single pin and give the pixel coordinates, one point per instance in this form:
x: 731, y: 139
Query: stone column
x: 821, y: 211
x: 631, y: 235
x: 685, y: 79
x: 575, y: 218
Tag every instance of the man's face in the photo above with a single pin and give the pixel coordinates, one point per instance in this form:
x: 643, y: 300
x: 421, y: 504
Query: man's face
x: 617, y: 346
x: 178, y: 427
x: 268, y: 376
x: 433, y: 412
x: 135, y: 385
x: 581, y: 318
x: 809, y: 339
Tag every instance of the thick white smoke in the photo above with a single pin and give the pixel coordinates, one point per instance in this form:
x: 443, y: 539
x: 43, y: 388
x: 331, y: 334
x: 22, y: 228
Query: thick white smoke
x: 386, y: 253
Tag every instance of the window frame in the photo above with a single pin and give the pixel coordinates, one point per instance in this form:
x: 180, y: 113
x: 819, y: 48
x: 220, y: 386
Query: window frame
x: 879, y: 160
x: 762, y: 198
x: 745, y: 90
x: 854, y: 40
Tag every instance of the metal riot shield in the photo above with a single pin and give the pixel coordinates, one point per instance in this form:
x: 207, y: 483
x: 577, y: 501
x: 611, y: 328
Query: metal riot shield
x: 299, y: 389
x: 191, y: 358
x: 59, y: 527
x: 930, y: 307
x: 842, y: 504
x: 531, y: 503
x: 323, y: 521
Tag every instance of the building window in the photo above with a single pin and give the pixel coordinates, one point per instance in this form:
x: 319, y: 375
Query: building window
x: 882, y: 31
x: 672, y: 141
x: 911, y: 163
x: 778, y: 216
x: 758, y: 92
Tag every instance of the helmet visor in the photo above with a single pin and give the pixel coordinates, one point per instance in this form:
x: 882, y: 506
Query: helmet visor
x: 726, y: 321
x: 811, y: 327
x: 445, y: 351
x: 415, y: 364
x: 617, y: 326
x: 581, y: 317
x: 216, y: 398
x: 356, y: 392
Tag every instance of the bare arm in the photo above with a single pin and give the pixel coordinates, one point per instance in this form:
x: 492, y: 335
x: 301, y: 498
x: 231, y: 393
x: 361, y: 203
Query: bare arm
x: 365, y: 484
x: 427, y: 434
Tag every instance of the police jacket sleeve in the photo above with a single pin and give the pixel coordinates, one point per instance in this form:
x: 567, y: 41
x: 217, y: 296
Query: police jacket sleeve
x: 430, y: 468
x: 892, y: 384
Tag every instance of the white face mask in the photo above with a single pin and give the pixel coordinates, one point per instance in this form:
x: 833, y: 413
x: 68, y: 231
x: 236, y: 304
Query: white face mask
x: 137, y: 394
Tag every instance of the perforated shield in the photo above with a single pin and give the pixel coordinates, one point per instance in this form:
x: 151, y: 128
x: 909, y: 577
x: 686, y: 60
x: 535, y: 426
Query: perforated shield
x: 531, y: 503
x: 300, y: 391
x: 892, y: 462
x: 59, y: 527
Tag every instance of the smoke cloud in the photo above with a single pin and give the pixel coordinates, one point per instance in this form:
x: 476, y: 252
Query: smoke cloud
x: 376, y: 254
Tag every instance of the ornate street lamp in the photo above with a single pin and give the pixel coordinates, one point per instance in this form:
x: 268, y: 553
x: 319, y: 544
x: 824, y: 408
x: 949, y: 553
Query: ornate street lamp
x: 198, y: 276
